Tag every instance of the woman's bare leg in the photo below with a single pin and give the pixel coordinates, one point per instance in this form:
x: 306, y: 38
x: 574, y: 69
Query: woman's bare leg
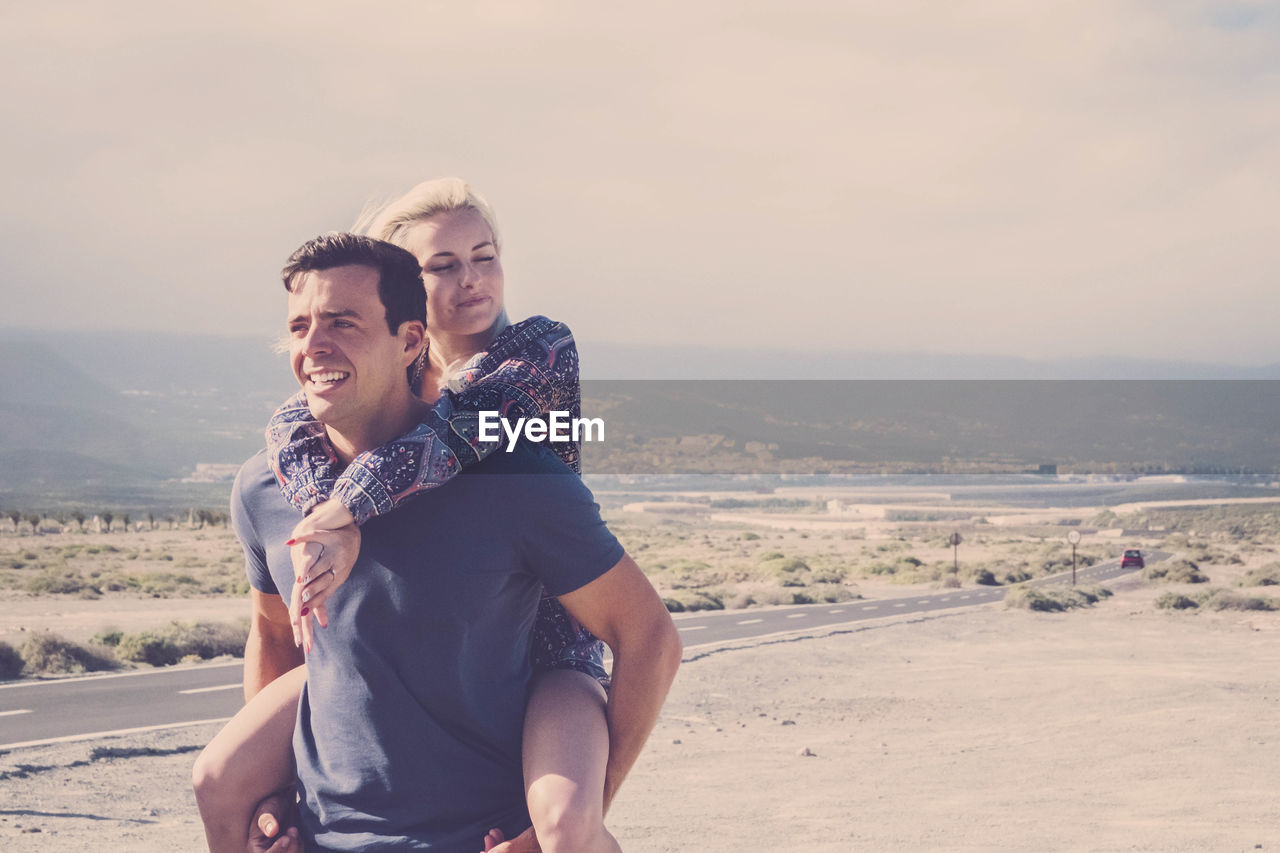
x: 245, y: 762
x: 566, y: 748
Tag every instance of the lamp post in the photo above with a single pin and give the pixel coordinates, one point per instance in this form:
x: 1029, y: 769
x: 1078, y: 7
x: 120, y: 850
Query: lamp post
x: 1074, y: 538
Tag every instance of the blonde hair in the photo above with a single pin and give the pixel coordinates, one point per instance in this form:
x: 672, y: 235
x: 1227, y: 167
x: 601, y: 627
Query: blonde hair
x: 392, y: 221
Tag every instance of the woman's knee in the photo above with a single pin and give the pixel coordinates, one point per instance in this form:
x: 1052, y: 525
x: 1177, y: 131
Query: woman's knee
x: 208, y: 777
x: 565, y: 816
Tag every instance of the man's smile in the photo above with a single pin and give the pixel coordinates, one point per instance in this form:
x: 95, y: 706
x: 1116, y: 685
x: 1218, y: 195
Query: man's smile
x: 323, y: 380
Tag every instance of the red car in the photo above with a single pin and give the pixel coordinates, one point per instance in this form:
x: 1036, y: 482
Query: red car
x: 1132, y: 559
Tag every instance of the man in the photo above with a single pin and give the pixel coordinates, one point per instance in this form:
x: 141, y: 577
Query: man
x: 408, y: 732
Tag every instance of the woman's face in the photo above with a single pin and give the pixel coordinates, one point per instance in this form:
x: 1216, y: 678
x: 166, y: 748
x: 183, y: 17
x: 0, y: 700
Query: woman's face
x: 461, y: 271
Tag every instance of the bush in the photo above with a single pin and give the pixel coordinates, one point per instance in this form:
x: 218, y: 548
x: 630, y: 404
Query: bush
x: 1268, y: 575
x: 55, y: 584
x: 1225, y: 599
x: 47, y: 654
x: 673, y: 606
x: 1053, y: 599
x: 1175, y: 571
x: 109, y: 637
x: 177, y: 640
x: 1176, y: 601
x: 11, y: 662
x: 984, y: 577
x: 692, y: 601
x: 148, y: 648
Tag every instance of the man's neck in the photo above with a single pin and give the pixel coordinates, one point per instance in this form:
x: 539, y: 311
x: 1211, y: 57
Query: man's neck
x: 394, y: 419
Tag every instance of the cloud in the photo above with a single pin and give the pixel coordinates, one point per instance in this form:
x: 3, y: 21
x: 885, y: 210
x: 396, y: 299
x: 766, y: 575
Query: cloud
x: 984, y: 176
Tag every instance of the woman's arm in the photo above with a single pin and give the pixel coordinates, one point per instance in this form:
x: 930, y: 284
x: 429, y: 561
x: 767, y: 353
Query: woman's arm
x: 531, y: 368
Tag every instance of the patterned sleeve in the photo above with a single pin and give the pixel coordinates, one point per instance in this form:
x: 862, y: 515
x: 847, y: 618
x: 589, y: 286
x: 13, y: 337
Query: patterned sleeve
x: 300, y: 454
x: 531, y: 369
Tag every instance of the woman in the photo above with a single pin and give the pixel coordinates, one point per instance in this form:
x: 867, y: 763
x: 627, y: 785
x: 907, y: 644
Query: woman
x: 452, y: 232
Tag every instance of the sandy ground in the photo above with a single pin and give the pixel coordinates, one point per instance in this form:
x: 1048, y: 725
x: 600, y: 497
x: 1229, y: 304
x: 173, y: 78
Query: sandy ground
x: 1120, y: 728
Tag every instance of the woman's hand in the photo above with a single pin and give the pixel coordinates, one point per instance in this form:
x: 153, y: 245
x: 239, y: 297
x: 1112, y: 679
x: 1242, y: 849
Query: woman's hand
x: 323, y: 547
x: 525, y: 842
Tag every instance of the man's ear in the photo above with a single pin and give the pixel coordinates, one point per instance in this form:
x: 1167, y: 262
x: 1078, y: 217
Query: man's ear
x: 413, y: 333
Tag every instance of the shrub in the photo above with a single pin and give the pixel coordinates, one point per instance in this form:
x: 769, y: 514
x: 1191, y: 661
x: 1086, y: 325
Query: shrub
x: 673, y: 606
x: 950, y: 582
x: 984, y: 577
x: 55, y: 584
x: 11, y: 662
x: 1053, y: 599
x: 1176, y: 601
x: 47, y: 654
x: 177, y: 640
x: 148, y: 648
x: 109, y: 637
x: 692, y: 601
x: 750, y: 537
x: 1175, y: 571
x: 1268, y: 575
x: 1225, y: 599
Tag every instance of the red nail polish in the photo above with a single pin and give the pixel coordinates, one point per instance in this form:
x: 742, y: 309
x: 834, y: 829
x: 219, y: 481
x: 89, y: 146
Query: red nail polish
x: 291, y: 541
x: 305, y: 610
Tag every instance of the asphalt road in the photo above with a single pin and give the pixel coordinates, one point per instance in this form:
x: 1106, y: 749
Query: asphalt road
x: 33, y: 713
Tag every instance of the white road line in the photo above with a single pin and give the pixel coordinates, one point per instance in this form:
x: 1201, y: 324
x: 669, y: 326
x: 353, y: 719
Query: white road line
x: 15, y: 713
x: 695, y: 628
x: 924, y: 601
x: 872, y: 607
x: 901, y: 604
x: 948, y: 598
x: 964, y: 598
x: 211, y: 689
x: 750, y: 621
x: 793, y: 616
x: 841, y: 610
x: 114, y: 733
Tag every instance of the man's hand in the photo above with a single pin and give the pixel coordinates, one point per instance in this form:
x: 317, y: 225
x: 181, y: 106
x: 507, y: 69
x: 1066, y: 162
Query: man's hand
x: 264, y: 830
x: 525, y: 842
x: 324, y: 547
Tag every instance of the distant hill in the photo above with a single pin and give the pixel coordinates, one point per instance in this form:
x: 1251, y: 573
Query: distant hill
x: 605, y: 360
x: 136, y: 411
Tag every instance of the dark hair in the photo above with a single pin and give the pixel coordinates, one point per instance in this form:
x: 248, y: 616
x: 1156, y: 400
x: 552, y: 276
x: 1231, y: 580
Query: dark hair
x: 399, y: 275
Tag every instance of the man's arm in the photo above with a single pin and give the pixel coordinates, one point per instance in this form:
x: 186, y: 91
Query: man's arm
x: 270, y: 651
x: 622, y: 608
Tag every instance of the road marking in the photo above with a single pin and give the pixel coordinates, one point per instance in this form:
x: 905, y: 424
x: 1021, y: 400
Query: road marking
x: 924, y: 601
x: 114, y: 733
x: 750, y: 621
x: 210, y: 689
x: 872, y: 607
x: 695, y: 628
x: 948, y: 598
x: 901, y: 604
x: 15, y: 713
x: 793, y: 616
x: 841, y: 610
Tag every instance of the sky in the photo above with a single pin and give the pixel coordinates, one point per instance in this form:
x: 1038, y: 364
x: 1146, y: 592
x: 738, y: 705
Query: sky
x: 1041, y: 180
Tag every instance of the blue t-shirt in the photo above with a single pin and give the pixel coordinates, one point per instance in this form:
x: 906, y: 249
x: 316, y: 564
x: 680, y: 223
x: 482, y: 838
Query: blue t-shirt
x: 409, y: 729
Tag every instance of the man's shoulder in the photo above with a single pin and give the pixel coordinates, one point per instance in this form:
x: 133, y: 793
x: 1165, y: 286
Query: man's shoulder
x: 525, y: 457
x: 253, y: 478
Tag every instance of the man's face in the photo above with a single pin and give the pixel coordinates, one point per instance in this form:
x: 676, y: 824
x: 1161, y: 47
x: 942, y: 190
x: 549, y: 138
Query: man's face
x: 341, y: 352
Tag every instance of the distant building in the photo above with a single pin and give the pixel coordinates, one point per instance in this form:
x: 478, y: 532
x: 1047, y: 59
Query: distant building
x: 212, y: 472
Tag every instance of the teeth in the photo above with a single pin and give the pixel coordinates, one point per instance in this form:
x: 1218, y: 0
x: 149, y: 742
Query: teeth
x: 328, y: 377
